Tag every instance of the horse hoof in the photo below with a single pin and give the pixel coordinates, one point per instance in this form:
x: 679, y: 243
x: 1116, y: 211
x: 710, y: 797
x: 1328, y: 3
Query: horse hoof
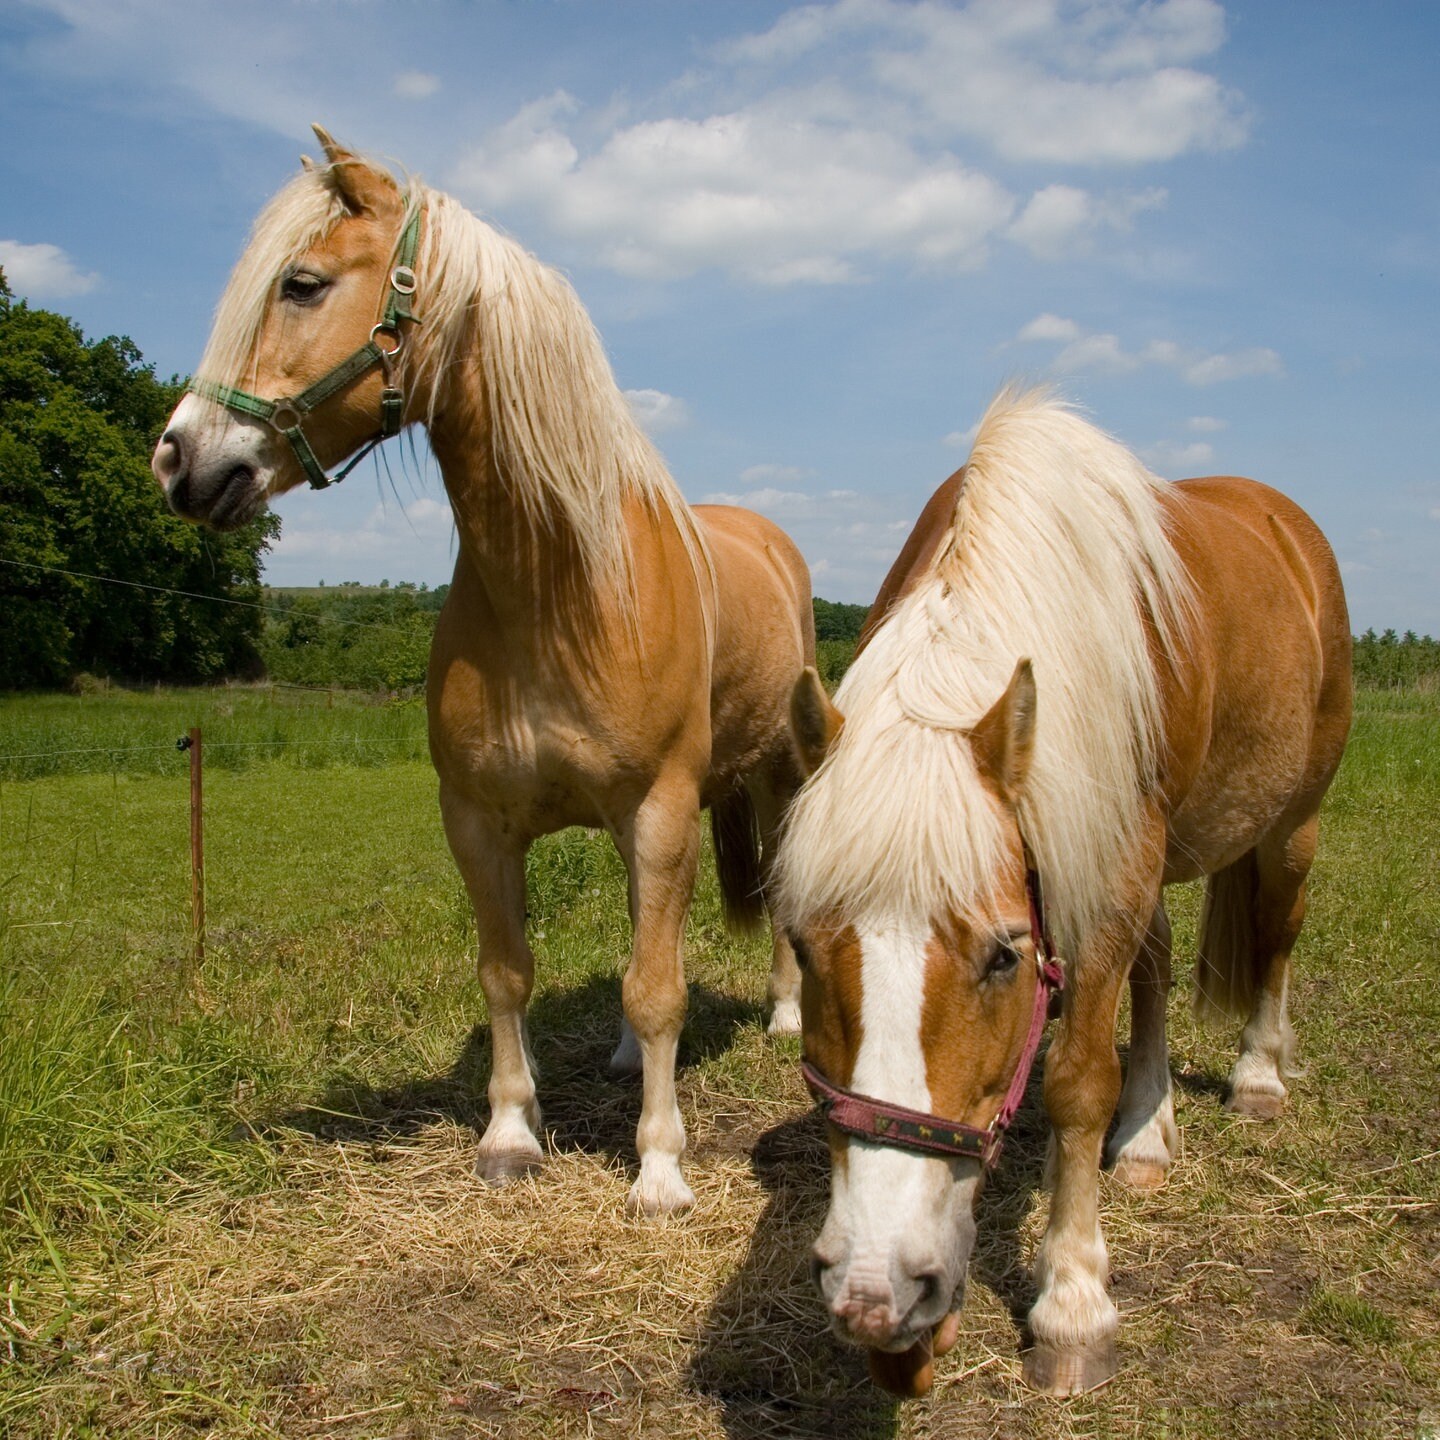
x: 649, y: 1197
x: 507, y: 1165
x: 1139, y: 1174
x: 1070, y: 1372
x: 909, y: 1374
x: 1256, y: 1104
x: 785, y: 1018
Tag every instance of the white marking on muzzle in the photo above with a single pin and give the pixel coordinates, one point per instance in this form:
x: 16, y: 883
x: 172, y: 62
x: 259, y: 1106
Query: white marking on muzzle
x: 891, y: 1211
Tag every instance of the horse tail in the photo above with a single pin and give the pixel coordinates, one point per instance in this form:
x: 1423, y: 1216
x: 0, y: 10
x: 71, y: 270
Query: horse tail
x: 1225, y: 972
x: 736, y: 832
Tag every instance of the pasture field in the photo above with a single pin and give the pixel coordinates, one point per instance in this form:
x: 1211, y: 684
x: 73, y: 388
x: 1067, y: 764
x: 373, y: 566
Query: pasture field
x: 237, y: 1198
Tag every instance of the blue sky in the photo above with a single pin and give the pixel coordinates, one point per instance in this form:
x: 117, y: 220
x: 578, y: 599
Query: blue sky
x: 817, y: 238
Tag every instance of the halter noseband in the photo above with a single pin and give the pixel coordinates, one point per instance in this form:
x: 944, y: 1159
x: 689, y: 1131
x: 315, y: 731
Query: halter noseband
x: 885, y: 1124
x: 370, y: 355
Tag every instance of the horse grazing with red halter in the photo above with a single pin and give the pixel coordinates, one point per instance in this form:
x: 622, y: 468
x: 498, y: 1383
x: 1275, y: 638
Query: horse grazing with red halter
x: 606, y: 655
x: 1079, y: 684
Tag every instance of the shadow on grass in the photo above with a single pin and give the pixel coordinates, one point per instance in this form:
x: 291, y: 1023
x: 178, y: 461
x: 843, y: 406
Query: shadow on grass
x: 765, y: 1353
x: 573, y: 1031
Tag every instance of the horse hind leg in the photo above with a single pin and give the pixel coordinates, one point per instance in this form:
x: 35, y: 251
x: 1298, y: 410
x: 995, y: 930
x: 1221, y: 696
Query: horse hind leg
x: 495, y: 879
x: 745, y: 825
x: 770, y: 802
x: 1252, y: 915
x: 1145, y: 1140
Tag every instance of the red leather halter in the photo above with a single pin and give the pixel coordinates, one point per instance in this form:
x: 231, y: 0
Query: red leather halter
x: 877, y: 1120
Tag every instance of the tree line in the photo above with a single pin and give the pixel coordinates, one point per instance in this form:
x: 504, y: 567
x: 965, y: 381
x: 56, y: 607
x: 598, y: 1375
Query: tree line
x: 78, y: 419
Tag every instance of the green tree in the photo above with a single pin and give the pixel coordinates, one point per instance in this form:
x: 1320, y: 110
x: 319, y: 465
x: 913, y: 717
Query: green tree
x: 835, y: 620
x: 77, y: 421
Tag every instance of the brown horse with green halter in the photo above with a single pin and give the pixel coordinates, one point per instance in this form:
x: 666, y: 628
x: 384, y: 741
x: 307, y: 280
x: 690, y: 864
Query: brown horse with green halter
x: 1079, y: 681
x: 606, y: 655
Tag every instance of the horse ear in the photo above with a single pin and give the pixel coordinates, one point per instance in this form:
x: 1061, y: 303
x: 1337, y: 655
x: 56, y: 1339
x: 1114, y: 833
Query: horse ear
x: 814, y: 721
x: 1004, y: 740
x: 335, y: 153
x: 364, y: 189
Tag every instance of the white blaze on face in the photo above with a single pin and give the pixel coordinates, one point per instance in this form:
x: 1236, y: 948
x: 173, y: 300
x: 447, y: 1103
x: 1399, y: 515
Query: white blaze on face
x: 893, y: 1213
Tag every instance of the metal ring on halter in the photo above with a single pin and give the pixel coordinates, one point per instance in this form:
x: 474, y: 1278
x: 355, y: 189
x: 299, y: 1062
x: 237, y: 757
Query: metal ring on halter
x: 387, y: 329
x: 286, y: 407
x: 402, y: 280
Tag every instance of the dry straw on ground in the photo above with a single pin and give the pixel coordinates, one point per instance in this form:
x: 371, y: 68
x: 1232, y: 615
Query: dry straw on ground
x: 377, y: 1290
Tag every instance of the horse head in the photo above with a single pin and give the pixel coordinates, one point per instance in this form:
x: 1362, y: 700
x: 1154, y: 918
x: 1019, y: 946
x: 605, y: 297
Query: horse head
x: 916, y: 1026
x: 311, y: 325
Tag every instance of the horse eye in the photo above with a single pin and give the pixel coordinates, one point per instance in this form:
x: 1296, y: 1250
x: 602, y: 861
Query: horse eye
x: 802, y: 952
x: 1004, y: 960
x: 302, y: 288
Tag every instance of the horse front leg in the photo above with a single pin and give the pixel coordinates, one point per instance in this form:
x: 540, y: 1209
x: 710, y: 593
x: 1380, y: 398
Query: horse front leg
x: 1073, y: 1321
x: 493, y: 868
x: 661, y: 848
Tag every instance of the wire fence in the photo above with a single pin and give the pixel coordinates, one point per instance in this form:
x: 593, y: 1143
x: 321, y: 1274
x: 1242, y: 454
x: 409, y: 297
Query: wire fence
x: 32, y: 733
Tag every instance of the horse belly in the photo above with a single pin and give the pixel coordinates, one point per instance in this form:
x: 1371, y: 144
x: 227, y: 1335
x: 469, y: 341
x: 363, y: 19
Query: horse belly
x: 1259, y: 752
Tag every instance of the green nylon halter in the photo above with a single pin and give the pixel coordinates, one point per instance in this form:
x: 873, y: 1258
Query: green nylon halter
x: 367, y: 358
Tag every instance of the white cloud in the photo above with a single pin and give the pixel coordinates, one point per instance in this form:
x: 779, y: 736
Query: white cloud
x: 1435, y: 512
x: 43, y: 272
x: 379, y: 535
x: 849, y: 135
x: 769, y: 196
x: 1061, y: 220
x: 962, y: 439
x: 1091, y: 354
x: 1172, y: 459
x: 779, y: 474
x: 1241, y: 364
x: 1035, y: 80
x: 416, y: 85
x: 658, y: 412
x: 791, y: 504
x: 833, y: 141
x: 1206, y: 425
x: 1049, y: 327
x: 1100, y: 352
x: 1096, y: 84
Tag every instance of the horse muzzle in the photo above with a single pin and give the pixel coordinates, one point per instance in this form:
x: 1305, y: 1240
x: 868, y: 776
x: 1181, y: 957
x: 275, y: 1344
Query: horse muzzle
x: 208, y: 478
x: 890, y: 1298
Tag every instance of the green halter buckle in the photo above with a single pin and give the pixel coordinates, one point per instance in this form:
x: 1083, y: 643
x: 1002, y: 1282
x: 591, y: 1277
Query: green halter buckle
x: 286, y: 416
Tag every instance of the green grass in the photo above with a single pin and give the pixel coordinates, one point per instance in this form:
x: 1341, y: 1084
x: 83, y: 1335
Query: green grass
x: 142, y: 1098
x: 114, y: 731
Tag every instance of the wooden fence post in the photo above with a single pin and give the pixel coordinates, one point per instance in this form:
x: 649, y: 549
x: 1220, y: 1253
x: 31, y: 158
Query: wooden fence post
x: 197, y: 853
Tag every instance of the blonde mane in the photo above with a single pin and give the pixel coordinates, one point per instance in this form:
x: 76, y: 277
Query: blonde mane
x: 1057, y: 551
x: 566, y: 445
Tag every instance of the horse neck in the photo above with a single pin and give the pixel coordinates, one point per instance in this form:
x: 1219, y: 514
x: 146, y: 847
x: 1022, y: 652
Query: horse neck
x: 533, y: 575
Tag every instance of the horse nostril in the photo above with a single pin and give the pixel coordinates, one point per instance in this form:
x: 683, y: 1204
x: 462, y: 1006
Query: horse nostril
x: 929, y: 1283
x: 818, y: 1267
x: 168, y: 462
x: 177, y: 493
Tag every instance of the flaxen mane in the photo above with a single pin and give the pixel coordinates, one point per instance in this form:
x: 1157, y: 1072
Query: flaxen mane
x: 1057, y: 551
x: 565, y: 441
